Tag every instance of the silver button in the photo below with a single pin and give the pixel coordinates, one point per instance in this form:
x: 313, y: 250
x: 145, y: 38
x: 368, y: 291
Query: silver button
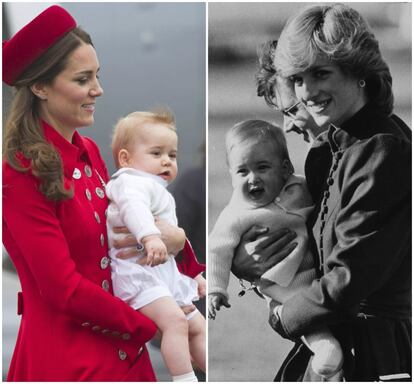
x: 104, y: 262
x: 86, y: 324
x: 105, y: 330
x: 88, y: 194
x: 102, y: 239
x: 116, y: 334
x: 105, y: 285
x: 96, y: 328
x: 100, y: 192
x: 77, y: 174
x: 126, y: 336
x: 122, y: 354
x: 88, y: 170
x: 97, y: 218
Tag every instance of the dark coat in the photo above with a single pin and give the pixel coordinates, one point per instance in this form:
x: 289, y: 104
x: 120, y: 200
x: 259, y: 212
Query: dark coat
x: 359, y: 176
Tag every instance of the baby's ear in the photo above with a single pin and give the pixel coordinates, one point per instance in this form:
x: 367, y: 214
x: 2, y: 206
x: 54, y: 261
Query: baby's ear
x: 123, y: 157
x: 288, y: 169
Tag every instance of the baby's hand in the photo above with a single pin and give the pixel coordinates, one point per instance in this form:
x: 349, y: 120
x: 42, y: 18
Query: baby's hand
x: 156, y: 250
x: 215, y: 301
x: 202, y: 288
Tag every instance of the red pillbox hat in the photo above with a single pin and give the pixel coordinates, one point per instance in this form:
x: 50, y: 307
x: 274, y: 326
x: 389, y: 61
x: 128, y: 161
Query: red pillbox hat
x: 33, y: 40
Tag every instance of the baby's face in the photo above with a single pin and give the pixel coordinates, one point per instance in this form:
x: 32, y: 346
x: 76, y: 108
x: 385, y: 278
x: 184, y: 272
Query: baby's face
x: 257, y: 171
x: 155, y: 151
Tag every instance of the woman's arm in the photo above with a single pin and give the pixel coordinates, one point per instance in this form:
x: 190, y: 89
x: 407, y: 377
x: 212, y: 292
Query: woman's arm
x: 373, y: 232
x: 259, y: 250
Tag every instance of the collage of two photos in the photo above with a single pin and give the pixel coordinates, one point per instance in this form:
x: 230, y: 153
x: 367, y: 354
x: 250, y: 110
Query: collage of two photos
x: 206, y: 191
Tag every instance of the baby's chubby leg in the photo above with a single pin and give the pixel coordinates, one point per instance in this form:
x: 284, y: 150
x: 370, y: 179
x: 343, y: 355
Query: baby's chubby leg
x: 173, y: 325
x: 197, y: 339
x: 328, y: 358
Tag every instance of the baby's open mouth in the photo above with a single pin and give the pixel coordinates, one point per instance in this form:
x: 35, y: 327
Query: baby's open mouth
x: 164, y: 174
x: 256, y: 192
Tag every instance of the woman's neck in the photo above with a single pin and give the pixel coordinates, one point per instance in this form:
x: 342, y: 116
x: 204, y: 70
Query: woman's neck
x: 67, y: 133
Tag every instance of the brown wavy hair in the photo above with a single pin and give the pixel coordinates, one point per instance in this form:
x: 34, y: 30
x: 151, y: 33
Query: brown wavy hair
x: 23, y: 133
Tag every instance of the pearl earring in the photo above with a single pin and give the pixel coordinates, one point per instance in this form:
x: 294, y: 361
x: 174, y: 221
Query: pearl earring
x: 362, y: 83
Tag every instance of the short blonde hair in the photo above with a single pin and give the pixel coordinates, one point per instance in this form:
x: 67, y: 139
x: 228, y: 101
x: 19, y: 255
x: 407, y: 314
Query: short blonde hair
x: 127, y: 129
x: 340, y: 34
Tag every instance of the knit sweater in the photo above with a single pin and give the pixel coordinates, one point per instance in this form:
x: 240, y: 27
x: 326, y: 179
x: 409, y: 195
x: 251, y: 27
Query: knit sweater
x: 289, y: 210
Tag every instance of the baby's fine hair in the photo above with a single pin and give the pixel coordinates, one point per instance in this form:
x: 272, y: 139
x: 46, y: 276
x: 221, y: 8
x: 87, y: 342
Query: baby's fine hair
x: 127, y: 129
x: 258, y: 129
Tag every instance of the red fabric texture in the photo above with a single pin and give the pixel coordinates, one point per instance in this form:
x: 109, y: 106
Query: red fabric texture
x: 33, y: 40
x: 72, y: 327
x: 188, y: 265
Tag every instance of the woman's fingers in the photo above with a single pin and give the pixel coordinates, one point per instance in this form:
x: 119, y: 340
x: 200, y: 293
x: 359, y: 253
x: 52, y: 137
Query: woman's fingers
x: 275, y: 243
x: 254, y: 232
x: 277, y: 257
x: 126, y: 241
x: 127, y: 253
x: 120, y: 230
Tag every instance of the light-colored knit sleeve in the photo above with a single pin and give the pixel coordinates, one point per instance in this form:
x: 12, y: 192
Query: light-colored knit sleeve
x: 133, y: 195
x: 223, y: 240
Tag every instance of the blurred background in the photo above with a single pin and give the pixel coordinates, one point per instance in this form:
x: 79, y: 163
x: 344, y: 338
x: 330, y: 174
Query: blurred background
x: 150, y: 54
x: 242, y: 346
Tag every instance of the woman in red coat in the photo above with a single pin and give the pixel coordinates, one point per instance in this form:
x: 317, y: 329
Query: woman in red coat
x: 72, y: 327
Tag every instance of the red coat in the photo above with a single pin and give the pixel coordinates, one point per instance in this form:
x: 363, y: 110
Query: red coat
x: 72, y: 327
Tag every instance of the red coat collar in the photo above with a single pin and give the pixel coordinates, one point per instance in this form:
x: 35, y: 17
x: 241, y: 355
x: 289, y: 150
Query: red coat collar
x: 71, y: 153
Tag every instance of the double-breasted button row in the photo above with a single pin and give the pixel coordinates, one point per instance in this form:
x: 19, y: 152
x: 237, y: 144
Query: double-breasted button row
x: 324, y: 205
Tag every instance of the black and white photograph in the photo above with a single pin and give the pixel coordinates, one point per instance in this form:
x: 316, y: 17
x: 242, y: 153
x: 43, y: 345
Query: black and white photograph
x: 309, y: 175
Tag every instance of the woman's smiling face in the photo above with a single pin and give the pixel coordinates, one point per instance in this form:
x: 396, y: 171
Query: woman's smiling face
x: 69, y: 101
x: 329, y: 95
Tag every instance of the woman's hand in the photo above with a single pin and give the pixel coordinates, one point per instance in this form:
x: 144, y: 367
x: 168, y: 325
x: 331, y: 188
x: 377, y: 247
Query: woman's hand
x: 275, y: 315
x: 202, y: 286
x: 172, y: 236
x: 259, y: 250
x: 127, y: 244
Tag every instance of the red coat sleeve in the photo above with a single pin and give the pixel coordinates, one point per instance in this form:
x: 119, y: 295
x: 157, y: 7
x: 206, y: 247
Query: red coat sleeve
x: 188, y: 264
x: 32, y: 230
